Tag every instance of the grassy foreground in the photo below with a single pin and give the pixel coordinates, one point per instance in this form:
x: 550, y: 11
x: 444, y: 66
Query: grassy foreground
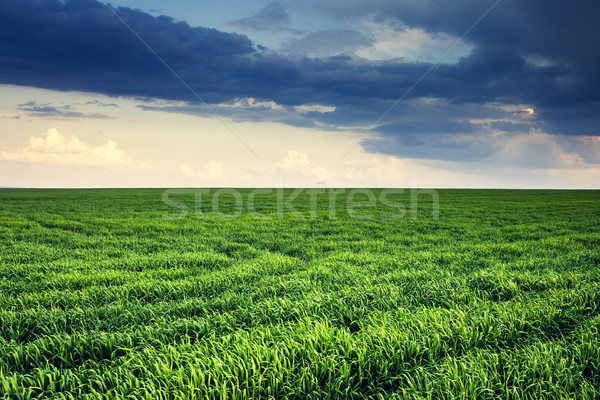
x: 101, y: 296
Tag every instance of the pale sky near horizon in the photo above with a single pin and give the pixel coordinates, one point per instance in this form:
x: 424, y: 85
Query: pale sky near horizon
x: 299, y: 93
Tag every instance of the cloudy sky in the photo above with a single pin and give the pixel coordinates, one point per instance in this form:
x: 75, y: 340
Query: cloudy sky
x: 367, y: 93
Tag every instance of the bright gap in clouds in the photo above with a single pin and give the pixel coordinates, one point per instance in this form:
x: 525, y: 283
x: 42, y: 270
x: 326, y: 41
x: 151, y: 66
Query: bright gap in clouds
x: 411, y: 45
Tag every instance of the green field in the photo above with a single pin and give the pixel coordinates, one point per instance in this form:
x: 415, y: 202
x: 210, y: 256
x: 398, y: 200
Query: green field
x: 102, y: 296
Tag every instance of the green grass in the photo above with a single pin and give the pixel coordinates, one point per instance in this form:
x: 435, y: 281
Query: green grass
x: 102, y: 297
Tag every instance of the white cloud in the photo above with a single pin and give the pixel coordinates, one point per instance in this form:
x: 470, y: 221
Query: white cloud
x: 390, y: 169
x: 394, y: 172
x: 297, y: 164
x: 380, y: 169
x: 250, y: 102
x: 542, y: 150
x: 570, y: 177
x: 213, y: 170
x: 52, y: 148
x: 528, y: 111
x: 412, y: 44
x: 187, y: 170
x: 314, y: 108
x: 586, y: 147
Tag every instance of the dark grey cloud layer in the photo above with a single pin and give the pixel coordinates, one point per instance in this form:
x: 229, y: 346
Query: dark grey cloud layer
x: 563, y: 34
x: 80, y: 45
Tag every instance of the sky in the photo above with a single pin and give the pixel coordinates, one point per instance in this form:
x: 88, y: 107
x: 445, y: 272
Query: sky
x: 300, y: 93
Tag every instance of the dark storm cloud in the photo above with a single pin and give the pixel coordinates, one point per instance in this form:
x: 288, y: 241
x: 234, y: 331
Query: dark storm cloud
x: 555, y: 29
x: 571, y: 119
x: 80, y: 45
x: 562, y: 33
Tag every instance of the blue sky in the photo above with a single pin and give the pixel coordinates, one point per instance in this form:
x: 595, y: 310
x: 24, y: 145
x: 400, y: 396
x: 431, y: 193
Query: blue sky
x: 351, y: 93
